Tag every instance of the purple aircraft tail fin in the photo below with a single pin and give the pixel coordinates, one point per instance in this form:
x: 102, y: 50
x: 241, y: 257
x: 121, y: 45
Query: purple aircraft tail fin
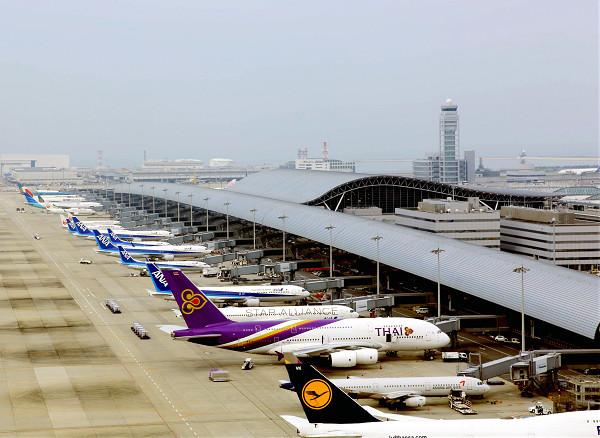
x: 196, y: 309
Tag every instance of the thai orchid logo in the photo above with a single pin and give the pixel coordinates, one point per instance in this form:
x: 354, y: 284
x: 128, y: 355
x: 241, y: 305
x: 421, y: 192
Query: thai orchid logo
x: 191, y: 301
x: 408, y: 331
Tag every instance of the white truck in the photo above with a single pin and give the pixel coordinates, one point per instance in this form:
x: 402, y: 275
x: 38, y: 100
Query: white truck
x: 210, y: 272
x: 454, y: 356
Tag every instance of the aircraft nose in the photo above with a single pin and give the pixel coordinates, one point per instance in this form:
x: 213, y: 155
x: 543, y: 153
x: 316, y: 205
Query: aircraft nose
x: 486, y: 388
x: 444, y: 339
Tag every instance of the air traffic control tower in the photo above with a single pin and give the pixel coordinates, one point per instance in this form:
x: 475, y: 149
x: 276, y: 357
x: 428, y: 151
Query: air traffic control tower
x: 449, y: 144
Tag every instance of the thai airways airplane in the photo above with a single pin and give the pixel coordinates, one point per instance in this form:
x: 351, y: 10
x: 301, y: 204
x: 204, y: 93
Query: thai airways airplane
x: 246, y: 295
x: 406, y: 391
x: 83, y: 230
x: 579, y: 171
x: 344, y: 343
x: 186, y: 265
x: 167, y: 252
x: 271, y: 313
x: 332, y: 413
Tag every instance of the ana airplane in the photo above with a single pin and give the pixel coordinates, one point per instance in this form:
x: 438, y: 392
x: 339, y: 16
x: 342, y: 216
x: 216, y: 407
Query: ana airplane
x: 92, y: 223
x: 186, y: 265
x: 83, y: 230
x: 245, y: 295
x: 580, y: 171
x: 264, y: 313
x: 167, y: 252
x: 332, y: 413
x: 406, y: 391
x: 116, y: 240
x: 344, y: 343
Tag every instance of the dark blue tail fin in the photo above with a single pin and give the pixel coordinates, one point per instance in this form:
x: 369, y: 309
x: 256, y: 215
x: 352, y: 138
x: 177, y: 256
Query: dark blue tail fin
x: 196, y: 309
x: 114, y: 238
x: 322, y: 401
x: 81, y: 228
x: 158, y: 278
x: 71, y: 225
x: 103, y: 242
x: 126, y: 259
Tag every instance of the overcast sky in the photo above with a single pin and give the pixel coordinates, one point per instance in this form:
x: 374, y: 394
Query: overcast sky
x: 256, y: 80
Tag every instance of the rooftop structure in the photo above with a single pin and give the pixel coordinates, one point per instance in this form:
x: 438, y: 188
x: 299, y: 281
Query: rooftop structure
x: 467, y: 221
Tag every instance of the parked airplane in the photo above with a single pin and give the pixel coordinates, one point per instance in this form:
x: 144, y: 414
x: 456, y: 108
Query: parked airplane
x: 246, y: 295
x: 184, y: 265
x: 38, y: 191
x: 344, y: 343
x: 407, y: 391
x: 167, y: 252
x: 580, y: 171
x: 83, y: 230
x: 332, y: 413
x: 116, y: 240
x: 271, y: 313
x: 92, y: 223
x: 67, y: 203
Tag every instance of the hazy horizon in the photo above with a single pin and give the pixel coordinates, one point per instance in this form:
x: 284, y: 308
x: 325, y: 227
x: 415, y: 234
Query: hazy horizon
x: 255, y: 81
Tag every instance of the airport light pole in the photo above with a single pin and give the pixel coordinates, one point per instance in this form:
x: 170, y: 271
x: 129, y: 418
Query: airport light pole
x: 330, y: 228
x: 129, y: 185
x: 439, y: 296
x: 142, y: 186
x: 377, y: 239
x: 554, y: 240
x: 253, y: 211
x: 153, y: 203
x: 165, y: 190
x: 177, y: 193
x: 283, y: 218
x: 191, y: 196
x: 227, y: 204
x: 522, y: 270
x: 206, y: 201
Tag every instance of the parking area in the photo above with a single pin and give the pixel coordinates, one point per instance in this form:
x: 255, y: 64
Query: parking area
x: 71, y: 367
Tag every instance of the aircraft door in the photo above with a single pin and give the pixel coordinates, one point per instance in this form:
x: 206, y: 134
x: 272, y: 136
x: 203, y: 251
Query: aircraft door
x: 428, y: 386
x: 428, y: 337
x: 325, y: 339
x: 257, y: 328
x: 376, y: 387
x: 469, y: 385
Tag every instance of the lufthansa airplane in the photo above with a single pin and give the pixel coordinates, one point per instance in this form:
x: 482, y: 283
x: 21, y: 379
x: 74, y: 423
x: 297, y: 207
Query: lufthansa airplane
x: 405, y: 391
x: 245, y: 295
x: 332, y: 413
x: 345, y: 343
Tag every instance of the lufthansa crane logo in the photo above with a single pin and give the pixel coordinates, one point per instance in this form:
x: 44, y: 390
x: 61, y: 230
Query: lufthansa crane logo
x: 191, y: 301
x: 316, y: 394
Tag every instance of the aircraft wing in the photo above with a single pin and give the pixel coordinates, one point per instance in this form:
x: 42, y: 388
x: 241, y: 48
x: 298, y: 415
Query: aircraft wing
x: 301, y: 424
x: 396, y: 395
x: 226, y: 298
x: 170, y: 328
x: 330, y: 348
x: 396, y: 417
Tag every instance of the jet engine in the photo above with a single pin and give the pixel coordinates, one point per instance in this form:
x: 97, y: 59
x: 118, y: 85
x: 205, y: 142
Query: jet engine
x: 252, y: 302
x: 343, y: 359
x: 169, y: 257
x: 366, y: 356
x: 415, y: 402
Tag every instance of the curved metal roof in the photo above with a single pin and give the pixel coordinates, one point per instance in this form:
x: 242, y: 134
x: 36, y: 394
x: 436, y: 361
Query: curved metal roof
x: 303, y: 186
x: 559, y: 296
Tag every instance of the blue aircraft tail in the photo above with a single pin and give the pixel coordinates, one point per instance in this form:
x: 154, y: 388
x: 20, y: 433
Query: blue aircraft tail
x: 103, y: 242
x: 114, y: 239
x: 30, y: 200
x: 196, y: 309
x: 322, y: 401
x: 81, y: 228
x: 158, y: 278
x: 71, y: 225
x: 126, y: 259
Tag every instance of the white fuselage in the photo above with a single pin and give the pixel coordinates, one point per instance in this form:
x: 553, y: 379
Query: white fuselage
x: 268, y: 293
x: 568, y: 424
x: 285, y: 312
x: 377, y: 387
x: 387, y: 334
x: 183, y: 265
x: 288, y: 312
